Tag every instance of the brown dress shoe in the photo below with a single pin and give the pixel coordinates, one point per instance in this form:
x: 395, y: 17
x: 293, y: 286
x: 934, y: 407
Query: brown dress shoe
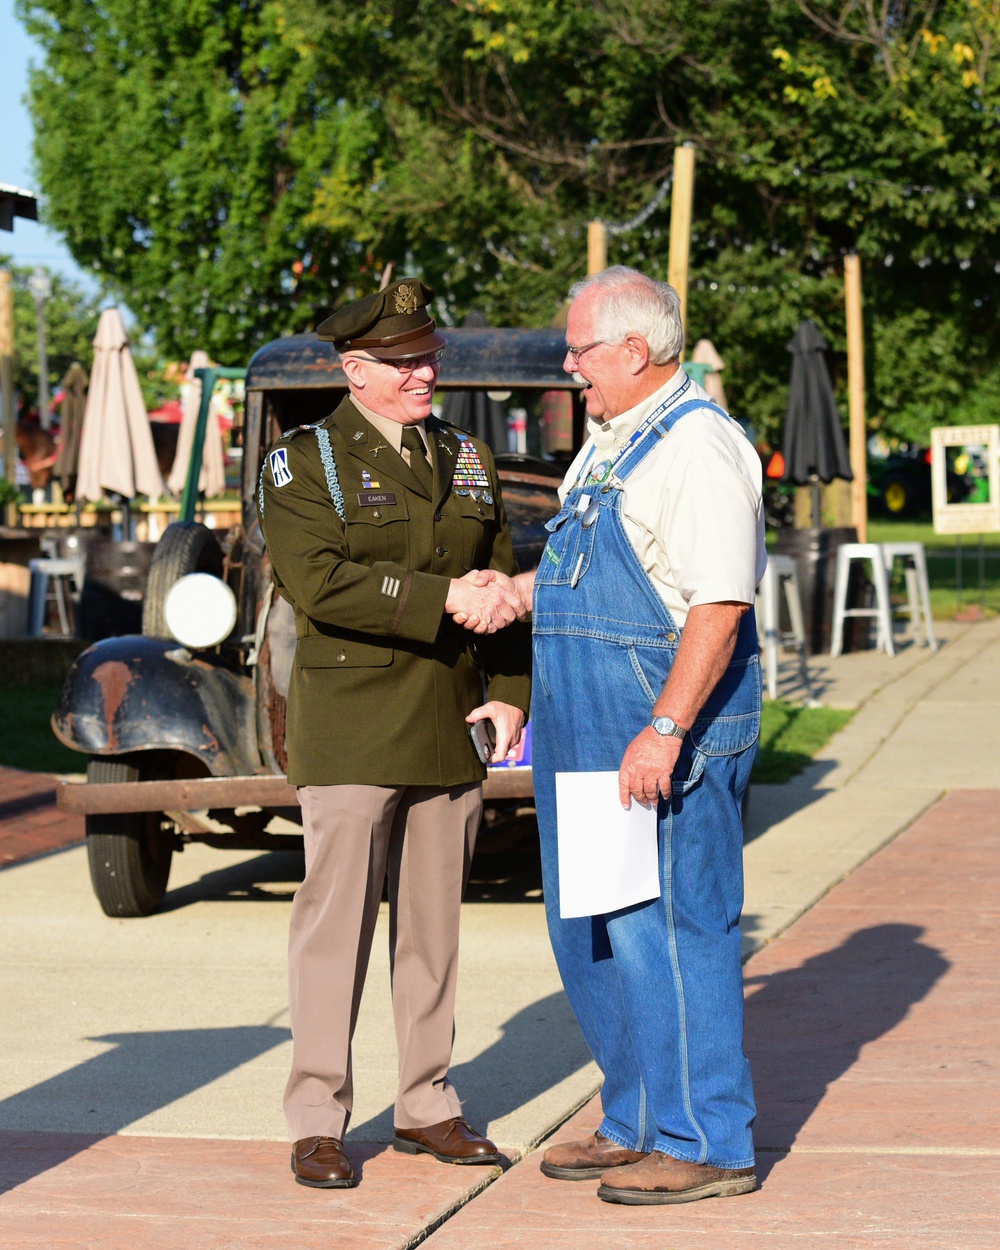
x: 586, y: 1160
x: 321, y: 1162
x: 661, y: 1178
x: 451, y: 1141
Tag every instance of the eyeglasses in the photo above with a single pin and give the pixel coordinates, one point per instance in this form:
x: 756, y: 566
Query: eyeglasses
x: 577, y: 352
x: 408, y: 366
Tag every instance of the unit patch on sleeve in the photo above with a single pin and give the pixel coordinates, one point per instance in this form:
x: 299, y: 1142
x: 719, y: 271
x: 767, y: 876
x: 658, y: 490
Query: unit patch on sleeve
x: 278, y: 460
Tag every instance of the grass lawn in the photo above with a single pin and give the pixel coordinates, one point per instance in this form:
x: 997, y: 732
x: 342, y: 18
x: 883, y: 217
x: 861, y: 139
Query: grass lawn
x: 942, y: 565
x: 790, y: 736
x: 26, y: 738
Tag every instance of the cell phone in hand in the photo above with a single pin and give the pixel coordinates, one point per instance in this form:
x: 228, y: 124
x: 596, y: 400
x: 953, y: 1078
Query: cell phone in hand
x: 484, y: 738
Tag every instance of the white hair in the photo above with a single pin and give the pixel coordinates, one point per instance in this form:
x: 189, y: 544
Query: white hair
x: 635, y: 304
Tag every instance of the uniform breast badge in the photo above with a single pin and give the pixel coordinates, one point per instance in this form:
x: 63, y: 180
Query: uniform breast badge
x: 469, y: 476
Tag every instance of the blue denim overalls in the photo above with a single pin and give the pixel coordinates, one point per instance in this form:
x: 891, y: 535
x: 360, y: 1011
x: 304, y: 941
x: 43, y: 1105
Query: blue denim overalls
x: 657, y: 988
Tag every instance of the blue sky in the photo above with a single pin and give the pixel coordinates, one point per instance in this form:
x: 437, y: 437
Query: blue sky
x: 30, y: 243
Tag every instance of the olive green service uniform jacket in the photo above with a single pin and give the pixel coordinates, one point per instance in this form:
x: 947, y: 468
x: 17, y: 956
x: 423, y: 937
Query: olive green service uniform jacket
x: 382, y: 681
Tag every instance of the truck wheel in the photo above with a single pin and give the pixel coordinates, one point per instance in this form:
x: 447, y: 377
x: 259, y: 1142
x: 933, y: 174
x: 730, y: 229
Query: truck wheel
x: 128, y: 853
x: 186, y: 547
x: 897, y: 494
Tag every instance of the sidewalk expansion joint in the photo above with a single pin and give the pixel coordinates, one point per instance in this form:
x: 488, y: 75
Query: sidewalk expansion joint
x: 497, y: 1173
x: 959, y: 1152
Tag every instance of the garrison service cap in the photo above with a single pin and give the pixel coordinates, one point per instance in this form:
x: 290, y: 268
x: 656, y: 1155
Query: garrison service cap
x: 392, y: 324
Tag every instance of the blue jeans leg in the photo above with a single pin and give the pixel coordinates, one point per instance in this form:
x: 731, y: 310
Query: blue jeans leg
x: 679, y: 971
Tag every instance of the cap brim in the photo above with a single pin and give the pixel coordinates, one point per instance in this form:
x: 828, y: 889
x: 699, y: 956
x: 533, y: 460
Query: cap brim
x: 429, y: 342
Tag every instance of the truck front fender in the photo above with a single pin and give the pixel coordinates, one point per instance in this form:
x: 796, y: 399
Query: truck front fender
x: 132, y: 693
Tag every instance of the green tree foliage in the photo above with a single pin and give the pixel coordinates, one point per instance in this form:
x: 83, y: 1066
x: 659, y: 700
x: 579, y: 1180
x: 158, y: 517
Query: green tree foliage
x: 235, y: 168
x: 70, y: 322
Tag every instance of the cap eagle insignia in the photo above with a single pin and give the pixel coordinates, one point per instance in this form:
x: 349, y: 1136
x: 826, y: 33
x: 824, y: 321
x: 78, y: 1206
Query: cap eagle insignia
x: 406, y: 299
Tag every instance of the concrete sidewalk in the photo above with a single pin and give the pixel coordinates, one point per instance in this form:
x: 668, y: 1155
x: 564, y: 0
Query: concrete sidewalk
x: 872, y: 1028
x: 853, y: 967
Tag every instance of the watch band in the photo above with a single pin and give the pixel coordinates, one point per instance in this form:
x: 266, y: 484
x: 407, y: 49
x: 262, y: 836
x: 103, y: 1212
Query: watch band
x: 667, y: 727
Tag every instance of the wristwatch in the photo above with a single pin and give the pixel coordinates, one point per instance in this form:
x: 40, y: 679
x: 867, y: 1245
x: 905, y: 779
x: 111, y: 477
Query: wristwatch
x: 667, y: 727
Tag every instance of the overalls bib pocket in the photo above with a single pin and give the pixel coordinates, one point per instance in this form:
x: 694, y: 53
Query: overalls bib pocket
x: 571, y: 546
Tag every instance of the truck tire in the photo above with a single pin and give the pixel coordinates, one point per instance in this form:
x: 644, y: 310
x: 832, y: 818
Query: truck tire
x: 898, y: 494
x: 186, y: 547
x: 128, y: 853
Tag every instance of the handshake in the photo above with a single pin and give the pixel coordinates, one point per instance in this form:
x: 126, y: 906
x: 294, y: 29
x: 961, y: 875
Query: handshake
x: 485, y: 600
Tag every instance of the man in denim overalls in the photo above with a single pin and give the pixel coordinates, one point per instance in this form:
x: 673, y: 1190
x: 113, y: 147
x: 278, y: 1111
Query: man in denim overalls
x: 646, y: 661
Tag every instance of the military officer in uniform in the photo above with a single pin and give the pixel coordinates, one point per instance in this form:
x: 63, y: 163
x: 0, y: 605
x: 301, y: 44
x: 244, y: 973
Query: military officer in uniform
x: 375, y: 520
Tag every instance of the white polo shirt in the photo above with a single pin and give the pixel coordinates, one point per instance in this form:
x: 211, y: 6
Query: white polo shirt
x: 692, y: 509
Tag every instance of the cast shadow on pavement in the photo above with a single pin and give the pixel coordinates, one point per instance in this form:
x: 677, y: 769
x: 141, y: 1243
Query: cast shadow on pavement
x: 512, y: 875
x: 271, y: 877
x: 805, y: 1026
x: 768, y: 805
x: 140, y: 1074
x: 540, y: 1046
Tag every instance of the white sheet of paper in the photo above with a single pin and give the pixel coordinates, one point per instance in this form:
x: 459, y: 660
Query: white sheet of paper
x: 607, y: 856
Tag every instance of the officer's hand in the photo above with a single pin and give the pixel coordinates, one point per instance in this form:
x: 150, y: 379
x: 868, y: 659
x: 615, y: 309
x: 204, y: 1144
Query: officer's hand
x: 508, y: 722
x: 521, y: 587
x: 647, y: 768
x: 483, y: 601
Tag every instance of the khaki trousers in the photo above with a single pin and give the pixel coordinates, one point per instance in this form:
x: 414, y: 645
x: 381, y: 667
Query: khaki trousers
x: 424, y: 838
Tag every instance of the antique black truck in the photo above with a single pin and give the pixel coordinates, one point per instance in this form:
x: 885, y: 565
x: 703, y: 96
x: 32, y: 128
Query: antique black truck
x: 183, y: 725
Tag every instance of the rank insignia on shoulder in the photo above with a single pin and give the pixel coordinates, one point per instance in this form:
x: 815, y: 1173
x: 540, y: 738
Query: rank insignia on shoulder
x: 297, y: 429
x: 280, y: 472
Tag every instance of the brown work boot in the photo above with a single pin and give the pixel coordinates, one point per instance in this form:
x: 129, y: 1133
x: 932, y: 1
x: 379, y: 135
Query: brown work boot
x: 586, y: 1160
x: 662, y: 1178
x: 321, y: 1162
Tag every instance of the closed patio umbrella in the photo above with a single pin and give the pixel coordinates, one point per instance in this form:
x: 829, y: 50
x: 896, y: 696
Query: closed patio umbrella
x: 74, y: 388
x: 116, y: 443
x: 814, y: 447
x: 213, y: 473
x: 705, y: 354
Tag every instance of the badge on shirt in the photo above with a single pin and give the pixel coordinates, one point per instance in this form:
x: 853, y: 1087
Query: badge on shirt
x: 369, y: 498
x: 600, y: 472
x: 280, y: 472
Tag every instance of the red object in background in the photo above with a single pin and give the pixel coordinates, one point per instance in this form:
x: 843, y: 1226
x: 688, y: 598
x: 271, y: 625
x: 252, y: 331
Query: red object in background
x: 776, y: 466
x: 171, y: 413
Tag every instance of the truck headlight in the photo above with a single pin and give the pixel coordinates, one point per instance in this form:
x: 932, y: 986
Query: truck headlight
x: 200, y: 610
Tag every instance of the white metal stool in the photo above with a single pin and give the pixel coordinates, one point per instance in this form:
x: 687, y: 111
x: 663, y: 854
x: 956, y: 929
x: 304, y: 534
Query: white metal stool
x: 882, y: 611
x: 918, y: 592
x: 781, y: 572
x: 46, y: 572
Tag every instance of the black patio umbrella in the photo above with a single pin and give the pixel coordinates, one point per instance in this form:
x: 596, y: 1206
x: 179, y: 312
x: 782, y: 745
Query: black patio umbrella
x: 475, y: 411
x: 814, y: 448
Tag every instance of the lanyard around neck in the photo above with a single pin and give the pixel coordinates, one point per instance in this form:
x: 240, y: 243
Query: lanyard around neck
x: 602, y: 470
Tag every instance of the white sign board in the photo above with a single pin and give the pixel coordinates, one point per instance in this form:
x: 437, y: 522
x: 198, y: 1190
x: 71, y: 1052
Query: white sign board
x: 965, y: 478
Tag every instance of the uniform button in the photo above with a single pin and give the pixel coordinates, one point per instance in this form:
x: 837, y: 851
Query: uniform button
x: 341, y: 657
x: 376, y: 512
x: 440, y: 551
x: 671, y: 637
x: 438, y: 516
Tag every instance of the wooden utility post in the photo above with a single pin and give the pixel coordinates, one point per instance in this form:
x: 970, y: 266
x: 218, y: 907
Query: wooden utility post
x: 597, y: 247
x: 681, y: 202
x: 856, y: 395
x: 7, y: 381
